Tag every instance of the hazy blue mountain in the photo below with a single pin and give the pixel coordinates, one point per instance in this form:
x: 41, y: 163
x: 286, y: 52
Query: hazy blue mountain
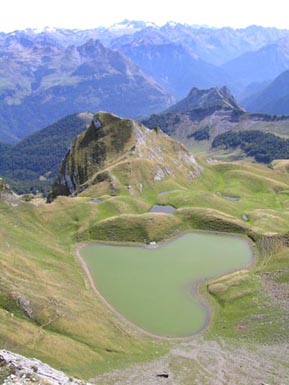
x: 251, y: 90
x: 260, y: 65
x: 274, y: 99
x: 213, y: 45
x: 212, y: 99
x: 45, y: 82
x: 48, y: 74
x: 219, y: 45
x: 176, y: 67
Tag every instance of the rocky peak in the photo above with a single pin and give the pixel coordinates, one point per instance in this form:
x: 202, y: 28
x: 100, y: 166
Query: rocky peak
x: 91, y: 49
x: 213, y: 98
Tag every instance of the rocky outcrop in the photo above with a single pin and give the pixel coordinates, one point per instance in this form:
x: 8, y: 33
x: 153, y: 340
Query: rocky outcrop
x: 7, y: 195
x: 18, y: 370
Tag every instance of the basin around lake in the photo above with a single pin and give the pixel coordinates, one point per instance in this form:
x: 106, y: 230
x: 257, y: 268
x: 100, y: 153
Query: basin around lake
x: 157, y: 288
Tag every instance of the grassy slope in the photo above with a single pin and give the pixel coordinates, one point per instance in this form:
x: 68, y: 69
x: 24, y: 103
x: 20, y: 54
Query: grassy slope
x: 37, y: 256
x: 70, y: 328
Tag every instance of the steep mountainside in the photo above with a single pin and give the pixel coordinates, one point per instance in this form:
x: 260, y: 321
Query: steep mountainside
x: 274, y: 99
x: 204, y: 114
x: 45, y: 82
x: 119, y: 155
x: 32, y: 164
x: 175, y: 66
x: 260, y: 65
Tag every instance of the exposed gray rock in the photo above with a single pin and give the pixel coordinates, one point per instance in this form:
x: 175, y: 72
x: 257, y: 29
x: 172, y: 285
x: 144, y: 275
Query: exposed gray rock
x: 18, y: 370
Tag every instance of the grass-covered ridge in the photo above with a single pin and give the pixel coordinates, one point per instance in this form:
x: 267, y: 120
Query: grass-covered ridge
x: 121, y: 155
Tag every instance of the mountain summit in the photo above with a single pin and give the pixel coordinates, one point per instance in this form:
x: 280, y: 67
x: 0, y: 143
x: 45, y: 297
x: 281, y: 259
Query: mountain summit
x: 116, y: 155
x: 205, y: 114
x: 213, y: 99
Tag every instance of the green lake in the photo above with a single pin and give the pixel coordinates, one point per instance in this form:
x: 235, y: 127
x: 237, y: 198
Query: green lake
x: 156, y: 288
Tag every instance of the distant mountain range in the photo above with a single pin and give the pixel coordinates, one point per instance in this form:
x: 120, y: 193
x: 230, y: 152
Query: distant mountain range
x: 213, y: 45
x: 45, y: 82
x: 133, y: 69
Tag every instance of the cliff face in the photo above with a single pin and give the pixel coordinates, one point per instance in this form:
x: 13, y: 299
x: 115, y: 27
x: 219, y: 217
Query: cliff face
x: 122, y: 152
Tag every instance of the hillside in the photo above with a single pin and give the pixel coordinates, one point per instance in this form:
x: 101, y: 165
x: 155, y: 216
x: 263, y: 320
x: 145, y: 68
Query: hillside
x: 262, y: 146
x: 117, y: 155
x: 205, y: 114
x: 32, y: 164
x: 273, y: 99
x: 44, y: 82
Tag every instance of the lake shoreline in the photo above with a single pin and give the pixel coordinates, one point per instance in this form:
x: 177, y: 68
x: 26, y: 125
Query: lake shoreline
x: 195, y: 290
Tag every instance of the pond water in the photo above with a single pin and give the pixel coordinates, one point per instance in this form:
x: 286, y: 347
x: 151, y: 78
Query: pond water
x: 162, y: 209
x: 231, y: 198
x: 157, y: 288
x: 95, y: 200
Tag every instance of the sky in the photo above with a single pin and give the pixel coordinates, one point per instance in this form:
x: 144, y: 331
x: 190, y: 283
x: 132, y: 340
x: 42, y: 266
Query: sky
x: 82, y: 14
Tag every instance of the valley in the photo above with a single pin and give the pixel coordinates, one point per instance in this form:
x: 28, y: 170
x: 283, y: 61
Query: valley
x: 147, y: 251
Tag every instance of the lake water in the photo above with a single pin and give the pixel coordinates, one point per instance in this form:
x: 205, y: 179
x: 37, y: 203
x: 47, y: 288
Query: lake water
x: 156, y: 288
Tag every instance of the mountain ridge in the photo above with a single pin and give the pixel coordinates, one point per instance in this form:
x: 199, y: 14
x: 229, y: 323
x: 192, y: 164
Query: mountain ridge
x: 109, y: 155
x: 205, y: 114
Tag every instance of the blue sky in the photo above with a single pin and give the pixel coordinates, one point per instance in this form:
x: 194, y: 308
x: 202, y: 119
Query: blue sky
x: 20, y: 14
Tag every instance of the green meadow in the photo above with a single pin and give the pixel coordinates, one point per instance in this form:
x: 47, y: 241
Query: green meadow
x: 68, y: 326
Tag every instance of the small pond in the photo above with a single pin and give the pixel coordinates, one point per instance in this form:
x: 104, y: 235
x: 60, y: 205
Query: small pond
x: 95, y: 200
x: 162, y: 209
x: 156, y: 288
